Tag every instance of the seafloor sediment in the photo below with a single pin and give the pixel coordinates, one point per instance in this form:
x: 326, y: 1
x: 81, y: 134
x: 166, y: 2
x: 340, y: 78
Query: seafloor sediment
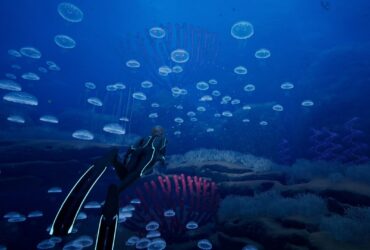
x: 236, y: 199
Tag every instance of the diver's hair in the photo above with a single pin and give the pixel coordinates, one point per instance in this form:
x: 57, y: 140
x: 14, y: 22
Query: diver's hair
x: 157, y: 130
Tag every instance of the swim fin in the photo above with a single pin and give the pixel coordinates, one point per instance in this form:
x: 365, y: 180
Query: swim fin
x: 108, y: 221
x: 67, y: 214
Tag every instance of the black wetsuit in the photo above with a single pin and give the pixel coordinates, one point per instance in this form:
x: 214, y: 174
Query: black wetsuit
x: 140, y: 159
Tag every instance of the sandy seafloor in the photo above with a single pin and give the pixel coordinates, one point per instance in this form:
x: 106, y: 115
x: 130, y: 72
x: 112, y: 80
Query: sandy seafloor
x: 237, y: 199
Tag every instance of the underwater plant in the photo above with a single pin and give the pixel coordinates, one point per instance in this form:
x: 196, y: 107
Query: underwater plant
x: 172, y: 201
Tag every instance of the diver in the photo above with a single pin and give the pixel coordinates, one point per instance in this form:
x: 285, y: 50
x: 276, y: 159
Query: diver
x: 144, y: 157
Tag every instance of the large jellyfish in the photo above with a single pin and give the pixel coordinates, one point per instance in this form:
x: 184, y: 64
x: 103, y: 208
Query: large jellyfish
x: 70, y: 12
x: 65, y: 41
x: 21, y: 98
x: 242, y: 30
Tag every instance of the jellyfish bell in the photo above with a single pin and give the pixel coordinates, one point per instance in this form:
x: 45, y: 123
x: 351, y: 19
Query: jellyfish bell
x: 70, y: 12
x: 278, y: 107
x: 210, y: 130
x: 212, y: 81
x: 249, y: 88
x: 21, y: 98
x: 287, y: 85
x: 114, y: 128
x: 139, y: 96
x: 226, y: 98
x: 90, y: 85
x: 133, y: 63
x: 30, y: 52
x: 206, y: 98
x: 95, y: 101
x: 180, y: 56
x: 53, y: 190
x: 119, y: 86
x: 262, y: 54
x: 202, y: 86
x: 242, y: 30
x: 146, y: 84
x: 240, y: 70
x: 307, y: 103
x: 177, y: 69
x: 30, y: 76
x: 155, y: 105
x: 132, y: 241
x: 247, y: 107
x: 153, y: 234
x: 152, y: 225
x: 42, y: 70
x: 84, y: 241
x: 201, y: 109
x: 10, y: 85
x: 157, y: 32
x: 83, y: 134
x: 64, y: 41
x: 92, y: 205
x: 235, y: 102
x: 177, y: 132
x: 179, y: 120
x: 49, y: 119
x: 143, y: 243
x: 245, y: 120
x: 157, y: 244
x: 263, y: 123
x: 191, y: 114
x: 111, y: 88
x: 216, y: 93
x: 45, y: 244
x: 153, y: 115
x: 164, y: 70
x: 227, y: 114
x: 191, y: 225
x: 169, y: 213
x: 204, y: 244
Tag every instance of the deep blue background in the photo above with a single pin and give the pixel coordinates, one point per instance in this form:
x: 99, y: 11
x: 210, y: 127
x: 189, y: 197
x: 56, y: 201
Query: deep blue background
x: 324, y: 52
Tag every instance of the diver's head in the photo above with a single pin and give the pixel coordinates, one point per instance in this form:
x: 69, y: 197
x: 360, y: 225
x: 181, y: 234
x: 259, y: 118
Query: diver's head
x: 157, y: 131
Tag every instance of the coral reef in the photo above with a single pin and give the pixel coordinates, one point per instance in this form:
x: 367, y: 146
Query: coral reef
x: 192, y: 198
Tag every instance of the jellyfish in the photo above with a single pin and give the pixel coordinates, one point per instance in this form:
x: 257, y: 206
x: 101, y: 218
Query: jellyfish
x: 247, y: 107
x: 179, y: 120
x: 30, y: 76
x: 217, y: 115
x: 70, y: 12
x: 128, y: 208
x: 249, y: 88
x: 307, y: 103
x: 212, y: 81
x: 55, y: 239
x: 49, y: 119
x: 132, y: 241
x: 139, y: 96
x: 42, y: 70
x: 21, y: 98
x: 249, y: 247
x: 155, y: 105
x: 153, y: 234
x: 146, y: 84
x: 242, y: 30
x: 16, y: 119
x: 35, y: 214
x: 83, y: 134
x: 164, y: 70
x: 114, y: 128
x: 180, y: 56
x: 206, y: 98
x: 133, y: 63
x: 12, y: 215
x: 54, y: 190
x: 278, y: 107
x: 240, y: 70
x: 143, y: 243
x: 263, y: 123
x: 227, y: 114
x: 157, y: 32
x: 177, y: 69
x: 169, y: 213
x: 201, y: 109
x: 19, y: 218
x: 246, y: 120
x: 235, y: 102
x: 210, y: 130
x: 177, y: 132
x: 90, y: 85
x: 204, y: 244
x: 64, y: 41
x: 262, y: 54
x: 287, y: 85
x: 81, y: 216
x: 95, y: 101
x: 226, y: 98
x: 216, y: 93
x: 157, y: 244
x: 135, y: 201
x: 202, y: 86
x: 30, y: 52
x: 153, y: 115
x: 191, y: 225
x: 193, y: 119
x: 190, y: 114
x: 92, y: 205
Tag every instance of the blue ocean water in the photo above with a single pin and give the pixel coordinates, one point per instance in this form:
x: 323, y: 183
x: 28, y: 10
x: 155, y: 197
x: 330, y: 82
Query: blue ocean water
x: 321, y: 48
